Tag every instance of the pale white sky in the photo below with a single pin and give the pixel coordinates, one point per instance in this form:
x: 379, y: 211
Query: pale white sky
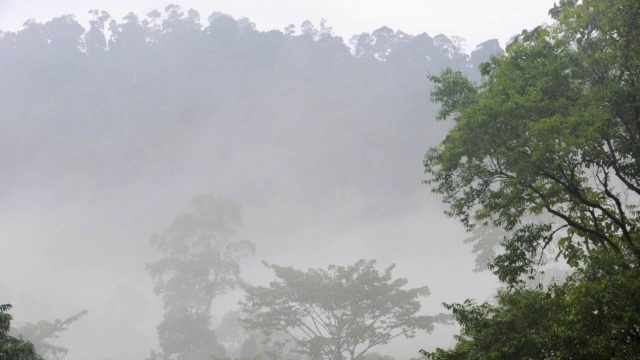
x: 473, y: 20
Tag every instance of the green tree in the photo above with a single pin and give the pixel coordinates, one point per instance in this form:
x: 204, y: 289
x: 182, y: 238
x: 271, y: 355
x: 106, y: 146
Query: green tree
x: 593, y: 315
x: 544, y: 152
x: 552, y: 129
x: 41, y: 333
x: 12, y: 348
x: 201, y: 261
x: 338, y: 313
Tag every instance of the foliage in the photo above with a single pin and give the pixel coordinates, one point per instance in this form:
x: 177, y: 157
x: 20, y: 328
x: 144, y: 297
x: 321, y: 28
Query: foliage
x: 338, y: 313
x: 40, y: 333
x: 201, y: 261
x: 552, y: 129
x: 187, y: 81
x: 12, y: 348
x: 593, y: 315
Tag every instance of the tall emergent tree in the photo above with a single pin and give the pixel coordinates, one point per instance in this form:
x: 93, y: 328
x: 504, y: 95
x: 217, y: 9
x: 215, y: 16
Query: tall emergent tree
x: 554, y: 130
x: 201, y: 261
x: 338, y: 313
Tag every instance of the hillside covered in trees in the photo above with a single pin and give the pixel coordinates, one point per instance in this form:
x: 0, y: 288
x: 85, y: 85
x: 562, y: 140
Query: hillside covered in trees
x: 126, y: 100
x: 108, y: 131
x: 163, y: 96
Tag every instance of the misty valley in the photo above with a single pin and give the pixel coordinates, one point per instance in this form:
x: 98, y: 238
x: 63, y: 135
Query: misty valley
x: 186, y: 188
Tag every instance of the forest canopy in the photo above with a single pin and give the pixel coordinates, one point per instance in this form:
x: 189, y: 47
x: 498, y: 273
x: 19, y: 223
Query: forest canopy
x: 124, y: 100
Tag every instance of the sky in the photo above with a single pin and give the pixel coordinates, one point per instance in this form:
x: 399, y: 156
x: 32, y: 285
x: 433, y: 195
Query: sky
x: 475, y: 21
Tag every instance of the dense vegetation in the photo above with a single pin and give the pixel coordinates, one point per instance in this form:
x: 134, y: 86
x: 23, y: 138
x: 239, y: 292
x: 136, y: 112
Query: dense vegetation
x: 545, y: 148
x: 162, y: 96
x: 12, y: 348
x: 538, y: 162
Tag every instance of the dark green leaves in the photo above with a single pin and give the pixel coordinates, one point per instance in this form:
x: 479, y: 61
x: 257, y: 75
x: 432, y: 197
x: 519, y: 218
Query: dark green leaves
x: 12, y: 348
x: 454, y: 91
x: 43, y: 335
x: 551, y: 130
x: 593, y: 315
x: 546, y: 149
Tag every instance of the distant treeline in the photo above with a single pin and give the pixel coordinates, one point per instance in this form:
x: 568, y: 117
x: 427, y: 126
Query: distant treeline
x: 164, y: 96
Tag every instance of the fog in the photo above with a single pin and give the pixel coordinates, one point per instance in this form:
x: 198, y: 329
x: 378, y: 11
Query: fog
x: 320, y: 139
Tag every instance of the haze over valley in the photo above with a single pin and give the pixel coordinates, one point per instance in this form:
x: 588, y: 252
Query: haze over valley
x: 109, y: 132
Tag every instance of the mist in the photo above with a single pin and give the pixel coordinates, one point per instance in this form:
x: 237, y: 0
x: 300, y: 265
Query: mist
x: 109, y: 132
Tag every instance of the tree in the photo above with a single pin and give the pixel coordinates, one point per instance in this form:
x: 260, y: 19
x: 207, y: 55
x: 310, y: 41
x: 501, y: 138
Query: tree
x: 544, y: 151
x: 40, y: 334
x: 95, y: 42
x: 552, y: 129
x: 201, y: 262
x: 338, y: 313
x: 12, y: 348
x: 593, y: 315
